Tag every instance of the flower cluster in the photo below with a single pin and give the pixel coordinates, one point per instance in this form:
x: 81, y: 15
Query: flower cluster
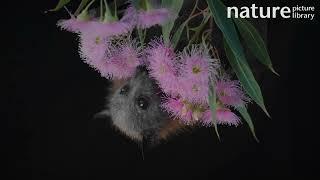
x: 185, y: 79
x: 97, y: 48
x: 183, y: 76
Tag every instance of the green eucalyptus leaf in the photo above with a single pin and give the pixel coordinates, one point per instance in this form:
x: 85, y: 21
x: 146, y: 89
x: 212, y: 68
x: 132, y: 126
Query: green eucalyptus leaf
x: 246, y: 116
x: 176, y: 36
x: 245, y: 76
x: 60, y: 5
x: 226, y: 25
x: 213, y: 107
x: 175, y: 6
x: 254, y: 42
x: 235, y: 53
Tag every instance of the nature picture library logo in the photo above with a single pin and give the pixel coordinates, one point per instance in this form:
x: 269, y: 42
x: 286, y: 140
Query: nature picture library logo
x: 294, y: 12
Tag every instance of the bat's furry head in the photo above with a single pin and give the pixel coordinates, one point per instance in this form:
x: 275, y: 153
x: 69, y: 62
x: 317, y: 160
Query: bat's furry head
x: 134, y: 108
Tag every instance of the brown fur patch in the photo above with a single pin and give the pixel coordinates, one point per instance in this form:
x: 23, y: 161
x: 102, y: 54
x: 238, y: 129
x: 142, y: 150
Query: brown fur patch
x: 173, y: 127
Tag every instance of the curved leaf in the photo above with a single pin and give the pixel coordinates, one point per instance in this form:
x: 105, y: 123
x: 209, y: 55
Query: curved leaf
x: 226, y: 25
x: 243, y: 72
x: 176, y: 36
x: 246, y: 116
x: 174, y: 6
x: 235, y: 53
x: 254, y: 42
x: 213, y: 106
x: 60, y: 5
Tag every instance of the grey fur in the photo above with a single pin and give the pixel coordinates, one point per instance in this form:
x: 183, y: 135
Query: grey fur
x: 126, y: 114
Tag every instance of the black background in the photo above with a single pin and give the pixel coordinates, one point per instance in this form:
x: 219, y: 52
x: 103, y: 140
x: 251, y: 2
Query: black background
x: 49, y: 129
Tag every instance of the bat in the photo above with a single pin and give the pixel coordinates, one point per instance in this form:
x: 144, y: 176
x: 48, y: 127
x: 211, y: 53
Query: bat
x: 135, y: 109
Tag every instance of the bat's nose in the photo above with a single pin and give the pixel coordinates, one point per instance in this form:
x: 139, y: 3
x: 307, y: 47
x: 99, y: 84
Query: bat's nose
x: 150, y: 138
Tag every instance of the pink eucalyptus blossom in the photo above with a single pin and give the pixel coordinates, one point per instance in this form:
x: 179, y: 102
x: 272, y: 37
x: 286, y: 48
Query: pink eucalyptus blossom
x: 224, y: 116
x: 130, y: 17
x: 107, y: 29
x: 72, y: 25
x: 197, y: 68
x: 194, y: 91
x: 93, y: 42
x: 178, y: 109
x: 121, y: 60
x: 148, y: 18
x: 161, y: 63
x: 195, y: 65
x: 230, y: 93
x: 76, y: 24
x: 93, y: 48
x: 101, y: 28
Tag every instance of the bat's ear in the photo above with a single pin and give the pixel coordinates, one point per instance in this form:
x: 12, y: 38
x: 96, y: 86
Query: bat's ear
x: 140, y: 70
x: 102, y: 114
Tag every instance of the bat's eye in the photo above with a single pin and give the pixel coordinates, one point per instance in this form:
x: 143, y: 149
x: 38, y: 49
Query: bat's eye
x: 124, y: 89
x: 142, y: 102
